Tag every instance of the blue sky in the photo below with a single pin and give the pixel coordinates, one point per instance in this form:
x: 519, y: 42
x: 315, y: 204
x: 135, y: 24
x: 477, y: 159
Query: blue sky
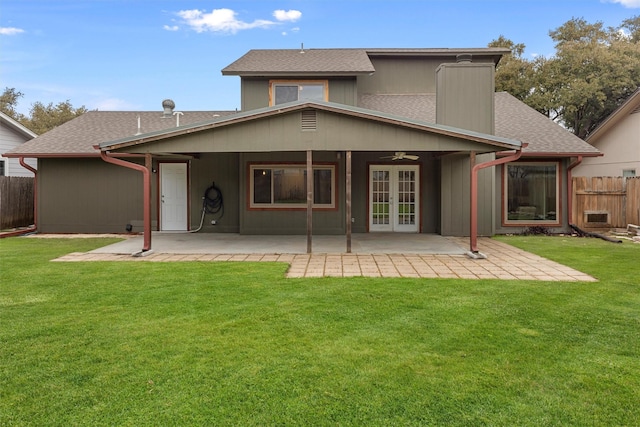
x: 132, y: 54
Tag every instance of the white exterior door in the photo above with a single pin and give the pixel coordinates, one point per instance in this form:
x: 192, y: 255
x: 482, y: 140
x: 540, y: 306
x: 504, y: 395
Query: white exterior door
x: 173, y: 196
x: 394, y: 198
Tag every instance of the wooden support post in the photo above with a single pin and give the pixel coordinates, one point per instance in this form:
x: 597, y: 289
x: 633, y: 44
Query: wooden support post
x: 473, y: 205
x: 309, y: 200
x: 348, y: 196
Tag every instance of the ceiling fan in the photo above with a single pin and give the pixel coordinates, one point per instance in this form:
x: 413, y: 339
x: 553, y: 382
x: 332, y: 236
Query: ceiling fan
x: 401, y: 155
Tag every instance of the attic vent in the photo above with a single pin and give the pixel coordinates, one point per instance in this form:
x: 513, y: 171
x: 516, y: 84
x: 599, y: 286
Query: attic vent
x: 168, y: 105
x: 309, y: 120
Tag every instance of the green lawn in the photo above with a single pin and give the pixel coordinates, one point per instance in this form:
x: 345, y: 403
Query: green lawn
x: 194, y: 343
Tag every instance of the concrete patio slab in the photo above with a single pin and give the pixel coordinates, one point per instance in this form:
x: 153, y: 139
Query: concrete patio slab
x: 232, y: 243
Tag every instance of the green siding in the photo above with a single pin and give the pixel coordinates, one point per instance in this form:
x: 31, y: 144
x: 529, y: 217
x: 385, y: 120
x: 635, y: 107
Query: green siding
x: 456, y: 195
x: 465, y: 96
x: 87, y: 196
x: 486, y: 195
x: 255, y: 93
x: 395, y: 75
x: 343, y: 91
x: 334, y: 132
x: 224, y: 170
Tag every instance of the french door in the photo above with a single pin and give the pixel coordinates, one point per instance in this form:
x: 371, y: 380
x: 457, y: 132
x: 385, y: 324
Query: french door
x: 173, y: 196
x: 394, y: 198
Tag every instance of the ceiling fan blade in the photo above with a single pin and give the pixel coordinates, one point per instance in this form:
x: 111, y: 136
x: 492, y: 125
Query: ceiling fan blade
x: 401, y: 155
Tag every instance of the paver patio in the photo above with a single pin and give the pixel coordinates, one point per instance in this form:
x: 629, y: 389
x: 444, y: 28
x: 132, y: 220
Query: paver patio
x: 503, y: 262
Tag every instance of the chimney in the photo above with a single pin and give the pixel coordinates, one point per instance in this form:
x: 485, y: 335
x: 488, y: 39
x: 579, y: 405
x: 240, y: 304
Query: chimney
x: 168, y: 105
x: 465, y: 94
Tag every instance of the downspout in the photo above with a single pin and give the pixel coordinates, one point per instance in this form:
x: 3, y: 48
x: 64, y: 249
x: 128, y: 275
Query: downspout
x: 35, y: 190
x: 473, y: 239
x: 570, y: 188
x: 146, y: 177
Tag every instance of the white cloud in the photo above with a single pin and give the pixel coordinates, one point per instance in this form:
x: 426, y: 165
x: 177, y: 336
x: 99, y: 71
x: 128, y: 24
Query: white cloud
x: 219, y: 20
x: 293, y: 30
x: 171, y: 28
x: 287, y: 15
x: 631, y: 4
x: 10, y: 31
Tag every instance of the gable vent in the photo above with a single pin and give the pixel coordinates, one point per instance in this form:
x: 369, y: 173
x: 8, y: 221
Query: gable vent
x: 309, y: 120
x: 637, y: 110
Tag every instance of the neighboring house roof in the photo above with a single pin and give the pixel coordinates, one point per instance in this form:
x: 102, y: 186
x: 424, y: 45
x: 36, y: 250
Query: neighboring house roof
x: 513, y: 120
x: 378, y: 116
x: 631, y: 105
x: 77, y: 137
x: 343, y: 62
x: 16, y: 126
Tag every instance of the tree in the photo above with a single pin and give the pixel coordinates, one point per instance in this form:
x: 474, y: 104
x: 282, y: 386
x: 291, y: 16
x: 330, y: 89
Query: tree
x: 513, y: 73
x: 8, y: 101
x: 42, y: 118
x: 632, y: 25
x: 594, y: 70
x: 46, y: 117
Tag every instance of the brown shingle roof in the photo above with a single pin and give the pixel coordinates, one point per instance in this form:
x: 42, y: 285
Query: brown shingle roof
x: 298, y: 61
x: 513, y: 119
x: 78, y: 136
x: 292, y: 62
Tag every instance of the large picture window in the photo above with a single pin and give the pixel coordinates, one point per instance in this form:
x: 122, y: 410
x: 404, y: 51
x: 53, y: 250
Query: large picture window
x: 290, y: 91
x: 285, y: 186
x: 531, y: 194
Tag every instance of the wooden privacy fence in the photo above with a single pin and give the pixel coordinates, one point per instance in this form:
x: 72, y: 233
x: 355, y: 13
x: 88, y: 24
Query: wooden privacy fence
x: 606, y: 201
x: 16, y: 201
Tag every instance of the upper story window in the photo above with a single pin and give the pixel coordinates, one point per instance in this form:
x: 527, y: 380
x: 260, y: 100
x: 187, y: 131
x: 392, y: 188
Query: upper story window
x: 281, y: 91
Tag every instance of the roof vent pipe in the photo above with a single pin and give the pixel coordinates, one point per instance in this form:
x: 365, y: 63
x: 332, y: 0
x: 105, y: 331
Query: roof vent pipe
x: 168, y: 105
x: 463, y: 57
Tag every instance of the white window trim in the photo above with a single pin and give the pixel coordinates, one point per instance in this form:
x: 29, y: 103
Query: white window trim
x: 294, y: 206
x: 505, y: 197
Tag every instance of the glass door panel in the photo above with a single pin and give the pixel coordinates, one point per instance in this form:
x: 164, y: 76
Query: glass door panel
x: 394, y: 198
